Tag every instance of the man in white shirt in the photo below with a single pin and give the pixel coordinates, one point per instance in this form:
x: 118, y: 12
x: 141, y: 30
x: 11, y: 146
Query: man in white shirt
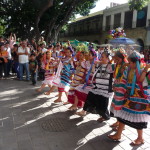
x: 44, y: 50
x: 23, y: 53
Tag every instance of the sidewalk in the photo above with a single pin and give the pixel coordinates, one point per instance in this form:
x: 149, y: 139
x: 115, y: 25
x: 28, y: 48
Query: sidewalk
x: 31, y: 121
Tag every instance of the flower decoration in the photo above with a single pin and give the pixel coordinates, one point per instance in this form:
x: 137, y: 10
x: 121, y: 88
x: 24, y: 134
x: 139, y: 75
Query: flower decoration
x: 116, y: 33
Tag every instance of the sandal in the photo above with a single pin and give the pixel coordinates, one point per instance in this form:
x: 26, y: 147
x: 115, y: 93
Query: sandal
x: 113, y: 138
x: 57, y: 101
x: 72, y: 108
x: 66, y: 103
x: 100, y: 120
x: 137, y: 142
x: 80, y: 114
x: 116, y: 128
x: 46, y: 93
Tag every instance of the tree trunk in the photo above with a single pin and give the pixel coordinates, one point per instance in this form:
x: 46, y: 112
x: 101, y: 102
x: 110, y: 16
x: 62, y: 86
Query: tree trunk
x: 39, y: 15
x: 65, y: 20
x: 57, y: 29
x: 52, y: 22
x: 49, y: 29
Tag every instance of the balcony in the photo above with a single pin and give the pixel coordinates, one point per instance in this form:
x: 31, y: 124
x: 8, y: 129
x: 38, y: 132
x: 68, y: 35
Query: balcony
x: 116, y: 25
x: 82, y: 33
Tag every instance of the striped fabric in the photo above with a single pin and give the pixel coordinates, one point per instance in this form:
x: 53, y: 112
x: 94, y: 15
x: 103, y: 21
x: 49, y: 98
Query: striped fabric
x: 66, y: 72
x: 136, y: 108
x: 78, y: 79
x: 49, y: 68
x: 103, y: 78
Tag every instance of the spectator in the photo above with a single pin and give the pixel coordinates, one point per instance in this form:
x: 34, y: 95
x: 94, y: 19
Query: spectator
x: 43, y: 48
x: 9, y: 64
x: 33, y: 65
x: 41, y: 41
x: 41, y: 71
x: 1, y: 39
x: 33, y: 43
x: 3, y: 61
x: 12, y: 40
x: 55, y: 53
x: 50, y: 48
x: 15, y: 60
x: 23, y: 53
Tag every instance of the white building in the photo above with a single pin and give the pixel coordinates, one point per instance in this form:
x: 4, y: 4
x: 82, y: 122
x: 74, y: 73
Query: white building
x: 95, y: 27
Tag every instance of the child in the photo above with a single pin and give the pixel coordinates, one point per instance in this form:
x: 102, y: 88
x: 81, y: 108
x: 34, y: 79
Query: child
x: 49, y: 65
x: 41, y: 71
x: 33, y: 66
x: 59, y: 68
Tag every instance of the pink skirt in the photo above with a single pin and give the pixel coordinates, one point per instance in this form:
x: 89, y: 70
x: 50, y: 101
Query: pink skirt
x: 48, y: 80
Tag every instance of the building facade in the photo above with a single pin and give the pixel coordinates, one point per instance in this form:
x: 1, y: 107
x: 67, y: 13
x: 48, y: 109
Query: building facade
x: 95, y: 27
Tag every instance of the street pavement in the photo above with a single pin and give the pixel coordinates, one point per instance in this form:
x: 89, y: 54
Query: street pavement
x: 31, y: 121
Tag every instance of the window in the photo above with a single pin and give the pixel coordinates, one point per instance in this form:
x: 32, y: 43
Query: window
x: 128, y: 19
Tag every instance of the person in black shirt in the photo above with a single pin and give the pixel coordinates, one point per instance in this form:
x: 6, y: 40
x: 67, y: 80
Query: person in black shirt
x: 33, y: 66
x: 15, y: 67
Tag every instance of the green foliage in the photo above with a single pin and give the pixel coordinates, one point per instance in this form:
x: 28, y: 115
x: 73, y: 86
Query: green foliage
x: 84, y: 8
x: 2, y: 26
x: 82, y: 47
x: 137, y: 4
x: 20, y: 15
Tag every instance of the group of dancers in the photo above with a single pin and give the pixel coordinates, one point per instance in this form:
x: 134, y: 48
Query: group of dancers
x: 92, y: 83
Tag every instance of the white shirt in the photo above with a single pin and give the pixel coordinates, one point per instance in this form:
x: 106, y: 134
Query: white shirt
x: 9, y: 52
x: 23, y: 58
x: 44, y: 50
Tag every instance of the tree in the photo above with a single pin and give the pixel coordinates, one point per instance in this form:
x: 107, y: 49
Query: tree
x: 32, y: 18
x: 40, y: 12
x: 29, y: 18
x: 137, y: 4
x: 62, y: 12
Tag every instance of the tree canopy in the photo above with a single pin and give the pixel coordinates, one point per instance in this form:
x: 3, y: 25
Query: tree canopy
x: 32, y: 18
x: 137, y: 4
x: 28, y: 18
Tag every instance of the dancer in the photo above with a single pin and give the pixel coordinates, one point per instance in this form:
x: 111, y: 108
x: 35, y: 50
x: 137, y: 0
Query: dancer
x: 117, y: 102
x: 136, y: 108
x: 56, y: 80
x: 98, y: 98
x: 81, y: 91
x: 49, y: 65
x: 66, y: 74
x: 79, y: 77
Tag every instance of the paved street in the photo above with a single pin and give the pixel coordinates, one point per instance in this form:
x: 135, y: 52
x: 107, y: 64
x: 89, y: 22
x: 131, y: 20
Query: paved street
x: 31, y: 121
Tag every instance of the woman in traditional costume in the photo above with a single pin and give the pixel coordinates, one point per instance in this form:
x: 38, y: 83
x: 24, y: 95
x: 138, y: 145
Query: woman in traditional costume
x: 135, y: 111
x: 117, y: 102
x: 81, y: 91
x: 66, y: 74
x: 98, y: 98
x: 79, y: 77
